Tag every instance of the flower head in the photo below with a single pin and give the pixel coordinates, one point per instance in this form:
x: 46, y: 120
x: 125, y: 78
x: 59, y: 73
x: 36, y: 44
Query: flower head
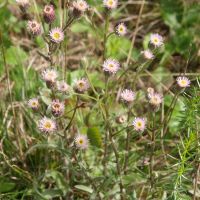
x: 183, y: 81
x: 81, y: 85
x: 80, y: 5
x: 139, y: 124
x: 34, y: 27
x: 127, y: 95
x: 47, y: 125
x: 156, y: 39
x: 121, y: 119
x: 111, y: 66
x: 57, y: 108
x: 155, y: 99
x: 50, y: 75
x: 121, y: 29
x: 49, y: 14
x: 33, y: 103
x: 81, y: 141
x: 62, y: 86
x: 147, y: 54
x: 56, y: 35
x: 110, y: 4
x: 23, y: 3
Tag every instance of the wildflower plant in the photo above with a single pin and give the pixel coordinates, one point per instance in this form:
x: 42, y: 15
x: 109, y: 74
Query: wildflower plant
x: 94, y: 132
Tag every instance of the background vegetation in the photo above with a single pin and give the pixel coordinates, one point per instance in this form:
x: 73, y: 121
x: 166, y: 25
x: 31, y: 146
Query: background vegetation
x: 34, y: 167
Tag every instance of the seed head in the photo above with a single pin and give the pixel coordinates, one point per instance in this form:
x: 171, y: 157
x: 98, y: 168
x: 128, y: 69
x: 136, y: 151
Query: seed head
x: 57, y: 108
x: 34, y: 28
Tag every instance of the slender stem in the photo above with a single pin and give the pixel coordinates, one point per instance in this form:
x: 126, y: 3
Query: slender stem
x: 127, y: 147
x: 152, y: 154
x: 69, y: 22
x: 196, y: 182
x: 73, y: 115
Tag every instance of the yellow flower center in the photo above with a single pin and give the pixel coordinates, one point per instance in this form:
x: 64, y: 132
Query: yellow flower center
x: 111, y: 65
x: 80, y: 141
x: 47, y: 125
x: 183, y: 82
x: 139, y: 124
x: 155, y: 40
x: 56, y: 35
x: 110, y: 3
x: 34, y: 103
x: 81, y: 84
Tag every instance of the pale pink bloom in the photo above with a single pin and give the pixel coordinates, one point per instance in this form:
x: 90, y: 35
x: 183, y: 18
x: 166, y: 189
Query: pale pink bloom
x: 121, y: 29
x: 183, y: 81
x: 47, y: 125
x: 81, y: 141
x: 156, y: 39
x: 80, y: 5
x: 49, y: 75
x: 33, y: 103
x: 155, y: 99
x: 34, y: 27
x: 110, y: 4
x: 111, y: 66
x: 57, y: 108
x: 139, y: 124
x: 49, y: 13
x: 23, y: 3
x: 56, y: 35
x: 62, y: 86
x: 81, y: 85
x: 128, y: 96
x: 148, y: 54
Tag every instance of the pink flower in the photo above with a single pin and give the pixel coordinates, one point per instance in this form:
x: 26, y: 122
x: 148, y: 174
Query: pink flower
x: 81, y: 85
x: 121, y: 29
x: 156, y: 39
x: 80, y: 5
x: 49, y: 14
x: 183, y: 81
x: 57, y: 108
x: 47, y: 125
x: 147, y: 54
x: 56, y: 35
x: 34, y: 27
x: 33, y: 103
x: 139, y: 124
x: 81, y: 141
x: 128, y: 96
x: 110, y: 4
x: 111, y: 66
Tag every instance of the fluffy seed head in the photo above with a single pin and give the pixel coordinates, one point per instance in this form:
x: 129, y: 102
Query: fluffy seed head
x: 183, y: 81
x: 62, y: 86
x: 147, y: 54
x: 34, y: 27
x: 81, y: 141
x: 121, y: 29
x: 56, y: 35
x: 110, y: 4
x: 139, y: 124
x: 81, y: 85
x: 33, y: 103
x: 111, y: 66
x: 47, y: 125
x: 49, y: 14
x: 127, y: 96
x: 57, y: 108
x: 156, y: 39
